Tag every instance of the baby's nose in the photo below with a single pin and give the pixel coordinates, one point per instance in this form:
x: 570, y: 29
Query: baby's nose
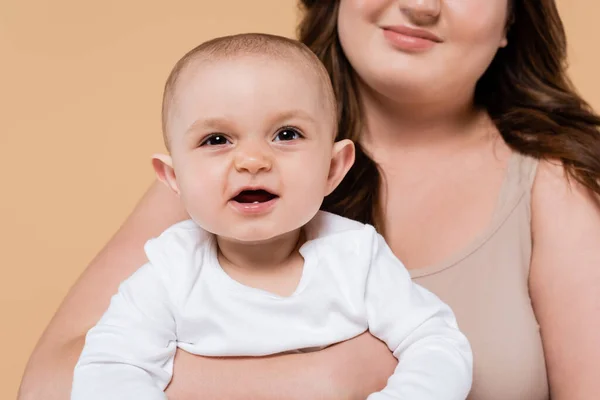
x: 253, y: 159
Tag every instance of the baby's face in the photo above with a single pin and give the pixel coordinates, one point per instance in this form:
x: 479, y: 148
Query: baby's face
x: 251, y: 142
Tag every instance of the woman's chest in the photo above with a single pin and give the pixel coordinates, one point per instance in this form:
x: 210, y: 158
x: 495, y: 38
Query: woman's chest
x: 488, y: 292
x: 486, y: 284
x: 434, y: 217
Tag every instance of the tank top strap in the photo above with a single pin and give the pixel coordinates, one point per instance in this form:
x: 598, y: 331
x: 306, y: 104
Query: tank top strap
x: 518, y: 182
x: 515, y: 192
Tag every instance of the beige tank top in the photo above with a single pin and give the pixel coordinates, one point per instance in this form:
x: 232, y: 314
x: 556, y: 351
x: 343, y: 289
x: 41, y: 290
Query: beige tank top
x: 486, y: 284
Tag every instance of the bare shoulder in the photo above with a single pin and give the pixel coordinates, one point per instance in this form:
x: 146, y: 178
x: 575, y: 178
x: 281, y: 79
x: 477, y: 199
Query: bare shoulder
x: 565, y: 279
x: 556, y: 199
x: 565, y: 223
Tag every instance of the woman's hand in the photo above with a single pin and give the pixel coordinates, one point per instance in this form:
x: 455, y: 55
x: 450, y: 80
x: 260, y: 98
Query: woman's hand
x: 349, y: 370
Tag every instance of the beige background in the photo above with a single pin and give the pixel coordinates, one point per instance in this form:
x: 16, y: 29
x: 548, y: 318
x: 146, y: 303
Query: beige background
x: 80, y: 88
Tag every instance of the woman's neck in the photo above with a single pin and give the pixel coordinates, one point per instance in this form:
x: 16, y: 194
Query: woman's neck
x: 413, y: 125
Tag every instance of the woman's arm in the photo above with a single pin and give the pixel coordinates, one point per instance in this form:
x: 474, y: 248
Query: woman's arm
x: 565, y: 281
x: 350, y: 370
x: 49, y: 372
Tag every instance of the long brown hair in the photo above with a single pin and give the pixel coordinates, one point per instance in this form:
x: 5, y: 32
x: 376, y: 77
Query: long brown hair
x: 525, y: 90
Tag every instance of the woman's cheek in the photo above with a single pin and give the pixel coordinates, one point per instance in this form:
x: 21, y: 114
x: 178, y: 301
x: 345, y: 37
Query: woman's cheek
x: 474, y: 21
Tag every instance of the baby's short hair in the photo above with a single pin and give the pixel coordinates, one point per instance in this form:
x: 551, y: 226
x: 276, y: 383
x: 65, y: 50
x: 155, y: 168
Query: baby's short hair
x: 247, y: 44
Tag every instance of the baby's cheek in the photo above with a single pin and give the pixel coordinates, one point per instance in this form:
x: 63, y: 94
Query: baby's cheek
x: 200, y: 195
x: 308, y: 191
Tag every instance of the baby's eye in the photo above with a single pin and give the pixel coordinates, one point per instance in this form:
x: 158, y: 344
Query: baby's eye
x: 287, y: 134
x: 215, y: 140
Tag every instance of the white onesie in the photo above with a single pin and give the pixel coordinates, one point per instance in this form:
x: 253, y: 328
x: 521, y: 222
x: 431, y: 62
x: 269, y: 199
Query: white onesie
x: 351, y: 282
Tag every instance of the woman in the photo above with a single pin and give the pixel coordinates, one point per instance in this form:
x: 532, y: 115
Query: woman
x: 480, y: 165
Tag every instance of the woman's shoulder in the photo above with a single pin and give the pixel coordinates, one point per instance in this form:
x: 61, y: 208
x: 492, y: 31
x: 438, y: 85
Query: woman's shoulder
x: 555, y: 192
x: 565, y: 219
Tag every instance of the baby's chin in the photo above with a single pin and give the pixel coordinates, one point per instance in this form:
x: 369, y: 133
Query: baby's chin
x: 257, y: 236
x: 261, y: 230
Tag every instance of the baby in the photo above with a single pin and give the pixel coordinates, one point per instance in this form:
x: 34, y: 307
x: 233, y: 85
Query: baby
x: 250, y: 124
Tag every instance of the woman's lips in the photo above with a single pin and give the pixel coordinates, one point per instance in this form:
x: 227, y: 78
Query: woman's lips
x: 410, y: 39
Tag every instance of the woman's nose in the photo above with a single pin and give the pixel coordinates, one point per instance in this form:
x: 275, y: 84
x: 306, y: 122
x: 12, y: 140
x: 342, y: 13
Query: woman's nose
x: 422, y: 12
x: 253, y: 159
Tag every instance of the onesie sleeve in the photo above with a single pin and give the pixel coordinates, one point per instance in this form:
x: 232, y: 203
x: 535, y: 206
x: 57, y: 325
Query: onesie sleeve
x: 434, y: 357
x: 129, y: 353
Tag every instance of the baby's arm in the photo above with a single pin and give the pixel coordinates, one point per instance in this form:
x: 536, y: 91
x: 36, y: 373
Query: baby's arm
x: 129, y: 353
x: 435, y: 359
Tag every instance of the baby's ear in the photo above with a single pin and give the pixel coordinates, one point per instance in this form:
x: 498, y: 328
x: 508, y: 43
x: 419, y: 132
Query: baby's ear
x: 163, y: 166
x: 342, y: 158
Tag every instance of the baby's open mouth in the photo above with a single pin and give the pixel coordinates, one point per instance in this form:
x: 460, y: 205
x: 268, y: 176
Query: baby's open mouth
x: 254, y: 196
